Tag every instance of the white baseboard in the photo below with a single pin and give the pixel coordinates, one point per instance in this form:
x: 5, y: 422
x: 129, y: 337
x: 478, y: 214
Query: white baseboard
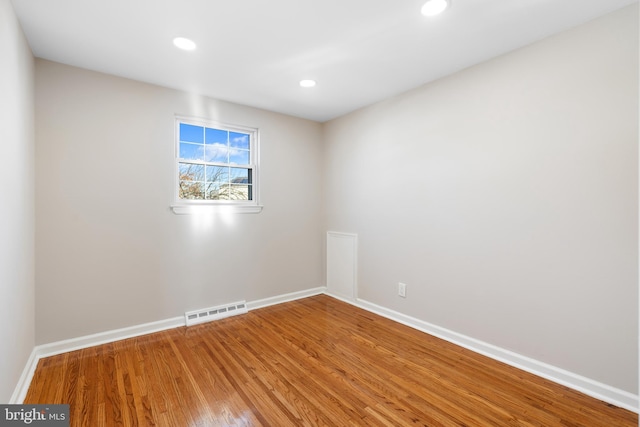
x: 59, y: 347
x: 252, y: 305
x: 51, y: 349
x: 20, y: 391
x: 577, y: 382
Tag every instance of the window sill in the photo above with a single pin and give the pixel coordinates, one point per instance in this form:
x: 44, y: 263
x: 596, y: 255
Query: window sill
x: 212, y: 209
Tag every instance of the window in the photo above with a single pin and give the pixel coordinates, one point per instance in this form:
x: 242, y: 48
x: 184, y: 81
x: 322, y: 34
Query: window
x: 216, y: 165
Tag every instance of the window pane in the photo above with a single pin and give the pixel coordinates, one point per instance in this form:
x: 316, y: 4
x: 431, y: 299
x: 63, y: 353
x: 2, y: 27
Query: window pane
x: 216, y: 136
x: 191, y: 151
x: 233, y: 192
x: 239, y: 157
x: 191, y: 172
x: 191, y: 190
x: 239, y: 192
x: 222, y: 193
x: 191, y: 133
x: 239, y: 140
x: 239, y: 176
x: 217, y: 174
x: 217, y: 191
x: 217, y: 153
x: 213, y: 189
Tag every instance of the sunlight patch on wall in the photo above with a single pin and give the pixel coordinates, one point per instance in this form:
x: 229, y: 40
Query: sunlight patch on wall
x: 206, y: 218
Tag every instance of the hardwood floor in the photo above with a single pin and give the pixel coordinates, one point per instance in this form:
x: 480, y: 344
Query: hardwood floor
x: 312, y: 362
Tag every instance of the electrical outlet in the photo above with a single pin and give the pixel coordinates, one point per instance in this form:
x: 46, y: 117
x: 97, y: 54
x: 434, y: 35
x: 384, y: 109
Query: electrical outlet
x: 402, y: 290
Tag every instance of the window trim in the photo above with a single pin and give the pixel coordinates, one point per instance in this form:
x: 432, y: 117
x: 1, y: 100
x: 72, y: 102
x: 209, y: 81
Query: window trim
x: 186, y: 207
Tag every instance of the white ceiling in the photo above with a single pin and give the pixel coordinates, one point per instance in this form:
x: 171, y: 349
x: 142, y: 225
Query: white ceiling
x: 254, y: 52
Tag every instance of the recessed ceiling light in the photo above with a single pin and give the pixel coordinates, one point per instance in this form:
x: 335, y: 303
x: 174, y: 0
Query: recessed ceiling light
x: 434, y: 7
x: 184, y: 44
x: 307, y: 83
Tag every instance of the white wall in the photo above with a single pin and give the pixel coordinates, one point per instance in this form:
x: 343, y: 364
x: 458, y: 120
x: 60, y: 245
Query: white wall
x: 110, y: 252
x: 506, y: 198
x: 17, y: 329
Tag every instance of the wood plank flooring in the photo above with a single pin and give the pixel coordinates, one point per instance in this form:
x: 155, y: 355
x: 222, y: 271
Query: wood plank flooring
x: 312, y: 362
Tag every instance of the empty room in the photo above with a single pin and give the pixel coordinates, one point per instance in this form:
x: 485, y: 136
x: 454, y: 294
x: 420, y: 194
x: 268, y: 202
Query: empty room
x: 319, y: 213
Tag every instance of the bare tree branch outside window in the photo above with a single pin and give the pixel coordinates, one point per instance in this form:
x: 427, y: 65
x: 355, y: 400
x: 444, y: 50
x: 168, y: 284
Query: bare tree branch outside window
x: 203, y: 182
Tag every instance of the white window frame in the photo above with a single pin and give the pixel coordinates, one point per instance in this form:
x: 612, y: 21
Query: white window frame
x: 184, y: 206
